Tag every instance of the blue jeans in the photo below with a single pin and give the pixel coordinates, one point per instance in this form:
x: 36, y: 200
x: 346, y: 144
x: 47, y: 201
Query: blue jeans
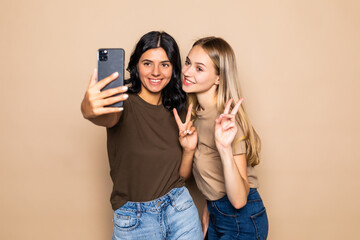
x: 172, y: 216
x: 247, y: 223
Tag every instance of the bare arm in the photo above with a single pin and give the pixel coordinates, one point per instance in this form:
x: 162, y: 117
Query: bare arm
x: 205, y: 220
x: 236, y: 182
x: 186, y: 164
x: 188, y: 141
x: 94, y: 102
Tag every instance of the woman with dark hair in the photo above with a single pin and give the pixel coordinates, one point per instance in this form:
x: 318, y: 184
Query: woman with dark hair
x: 149, y: 198
x: 172, y: 93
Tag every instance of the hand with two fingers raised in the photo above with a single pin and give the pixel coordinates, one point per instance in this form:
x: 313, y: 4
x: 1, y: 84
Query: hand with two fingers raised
x: 225, y: 125
x: 187, y: 132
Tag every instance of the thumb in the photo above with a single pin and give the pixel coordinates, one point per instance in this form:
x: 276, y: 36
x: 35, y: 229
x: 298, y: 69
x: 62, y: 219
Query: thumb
x: 93, y: 78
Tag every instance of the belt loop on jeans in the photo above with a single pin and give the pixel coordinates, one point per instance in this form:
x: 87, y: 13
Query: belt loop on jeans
x: 138, y: 213
x: 172, y: 197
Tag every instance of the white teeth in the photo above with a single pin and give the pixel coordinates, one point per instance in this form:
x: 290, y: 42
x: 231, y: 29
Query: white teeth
x: 155, y: 80
x: 188, y: 81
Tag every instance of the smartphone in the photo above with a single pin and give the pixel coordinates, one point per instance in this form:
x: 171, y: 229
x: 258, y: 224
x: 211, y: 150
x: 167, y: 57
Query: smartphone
x: 110, y: 60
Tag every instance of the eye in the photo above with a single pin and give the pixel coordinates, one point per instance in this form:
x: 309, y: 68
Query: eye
x: 199, y: 69
x: 147, y: 63
x: 187, y: 62
x: 165, y: 65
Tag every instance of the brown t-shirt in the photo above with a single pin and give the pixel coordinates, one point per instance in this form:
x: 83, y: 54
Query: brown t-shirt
x: 207, y: 167
x: 144, y: 153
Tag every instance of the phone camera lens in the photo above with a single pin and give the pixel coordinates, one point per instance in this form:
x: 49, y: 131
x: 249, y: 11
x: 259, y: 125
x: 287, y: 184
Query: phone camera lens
x: 103, y: 55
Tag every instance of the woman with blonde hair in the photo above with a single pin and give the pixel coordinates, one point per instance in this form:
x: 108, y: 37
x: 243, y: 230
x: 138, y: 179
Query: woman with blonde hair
x: 228, y: 146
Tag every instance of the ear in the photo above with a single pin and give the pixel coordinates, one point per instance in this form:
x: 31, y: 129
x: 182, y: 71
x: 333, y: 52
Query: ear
x: 217, y: 80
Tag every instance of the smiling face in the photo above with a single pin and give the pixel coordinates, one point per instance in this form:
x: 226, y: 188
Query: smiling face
x: 199, y: 72
x: 155, y: 72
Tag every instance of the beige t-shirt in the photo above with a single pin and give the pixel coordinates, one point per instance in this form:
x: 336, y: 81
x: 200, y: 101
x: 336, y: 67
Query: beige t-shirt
x: 207, y: 167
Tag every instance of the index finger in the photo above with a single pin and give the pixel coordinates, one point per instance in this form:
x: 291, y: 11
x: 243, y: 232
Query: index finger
x: 177, y: 118
x: 105, y: 81
x: 227, y: 107
x: 188, y: 115
x: 237, y: 106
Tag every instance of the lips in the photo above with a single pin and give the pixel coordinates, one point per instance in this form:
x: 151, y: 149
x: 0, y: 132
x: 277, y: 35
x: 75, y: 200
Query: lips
x: 154, y: 81
x: 187, y: 82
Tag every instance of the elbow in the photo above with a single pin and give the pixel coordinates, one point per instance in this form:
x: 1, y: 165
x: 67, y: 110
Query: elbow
x: 239, y: 203
x: 185, y: 176
x: 185, y: 171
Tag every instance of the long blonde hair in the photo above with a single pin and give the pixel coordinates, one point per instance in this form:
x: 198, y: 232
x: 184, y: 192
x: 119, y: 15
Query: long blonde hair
x: 224, y: 60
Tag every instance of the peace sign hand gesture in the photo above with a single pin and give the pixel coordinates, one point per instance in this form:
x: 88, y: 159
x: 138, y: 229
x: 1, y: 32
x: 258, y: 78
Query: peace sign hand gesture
x: 225, y: 125
x: 187, y: 132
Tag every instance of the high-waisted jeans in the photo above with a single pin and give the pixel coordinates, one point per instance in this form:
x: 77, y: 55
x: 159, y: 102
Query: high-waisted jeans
x: 172, y: 216
x: 247, y: 223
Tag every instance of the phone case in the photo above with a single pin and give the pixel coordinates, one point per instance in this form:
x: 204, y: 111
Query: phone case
x: 111, y: 60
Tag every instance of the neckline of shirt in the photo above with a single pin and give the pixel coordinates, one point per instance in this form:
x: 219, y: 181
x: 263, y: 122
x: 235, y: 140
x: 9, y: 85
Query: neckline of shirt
x: 210, y: 110
x: 145, y: 103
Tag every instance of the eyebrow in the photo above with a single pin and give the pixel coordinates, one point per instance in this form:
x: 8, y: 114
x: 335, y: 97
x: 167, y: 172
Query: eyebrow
x: 198, y: 63
x: 148, y: 60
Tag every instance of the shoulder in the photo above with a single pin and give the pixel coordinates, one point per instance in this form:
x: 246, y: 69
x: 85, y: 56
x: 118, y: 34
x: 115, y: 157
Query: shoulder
x: 130, y: 101
x: 128, y: 105
x: 240, y: 132
x: 239, y: 143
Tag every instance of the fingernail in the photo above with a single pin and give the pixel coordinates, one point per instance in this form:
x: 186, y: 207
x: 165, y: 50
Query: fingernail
x: 116, y: 74
x: 124, y: 88
x: 125, y: 96
x: 120, y: 109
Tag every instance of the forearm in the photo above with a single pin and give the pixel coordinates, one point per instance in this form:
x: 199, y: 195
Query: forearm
x: 186, y: 163
x: 236, y: 186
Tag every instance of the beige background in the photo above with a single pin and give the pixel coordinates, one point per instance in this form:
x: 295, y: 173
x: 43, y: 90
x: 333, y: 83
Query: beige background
x: 299, y: 65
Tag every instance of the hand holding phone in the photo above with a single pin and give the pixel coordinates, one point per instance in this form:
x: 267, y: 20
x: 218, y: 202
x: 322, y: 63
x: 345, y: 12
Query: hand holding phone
x: 95, y: 101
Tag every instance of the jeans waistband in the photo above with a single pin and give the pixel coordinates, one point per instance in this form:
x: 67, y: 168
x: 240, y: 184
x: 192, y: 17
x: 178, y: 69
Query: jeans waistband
x: 155, y: 204
x: 253, y: 194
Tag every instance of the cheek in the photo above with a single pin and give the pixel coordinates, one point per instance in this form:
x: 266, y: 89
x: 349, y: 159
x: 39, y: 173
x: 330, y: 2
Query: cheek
x: 168, y: 73
x: 202, y: 79
x: 184, y: 69
x: 207, y: 79
x: 141, y: 71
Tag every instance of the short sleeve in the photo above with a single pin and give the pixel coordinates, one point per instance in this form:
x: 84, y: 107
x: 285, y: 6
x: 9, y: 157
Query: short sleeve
x: 239, y: 144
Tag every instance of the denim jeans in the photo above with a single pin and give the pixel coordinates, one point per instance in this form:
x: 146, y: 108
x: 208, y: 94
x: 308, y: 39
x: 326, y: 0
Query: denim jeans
x: 172, y: 216
x: 247, y: 223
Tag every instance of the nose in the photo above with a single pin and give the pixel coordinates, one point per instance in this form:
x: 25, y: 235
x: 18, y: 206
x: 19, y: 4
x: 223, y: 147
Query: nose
x: 186, y: 70
x: 156, y: 71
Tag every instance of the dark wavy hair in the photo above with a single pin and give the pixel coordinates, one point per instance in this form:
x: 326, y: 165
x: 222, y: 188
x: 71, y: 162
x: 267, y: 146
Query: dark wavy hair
x: 172, y: 95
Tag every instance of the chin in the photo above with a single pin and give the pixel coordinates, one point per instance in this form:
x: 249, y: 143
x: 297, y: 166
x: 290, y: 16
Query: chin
x: 186, y: 88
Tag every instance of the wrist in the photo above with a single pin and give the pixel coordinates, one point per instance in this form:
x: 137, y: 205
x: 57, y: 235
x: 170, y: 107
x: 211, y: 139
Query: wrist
x: 225, y: 151
x: 188, y: 150
x: 222, y: 147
